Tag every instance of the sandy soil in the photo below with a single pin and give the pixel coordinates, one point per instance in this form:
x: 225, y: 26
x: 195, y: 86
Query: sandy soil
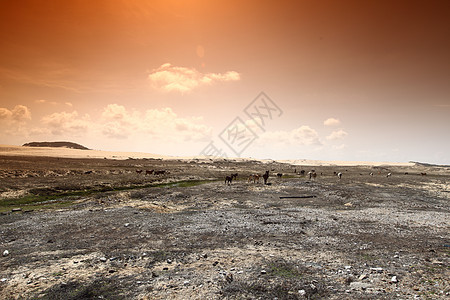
x: 85, y: 228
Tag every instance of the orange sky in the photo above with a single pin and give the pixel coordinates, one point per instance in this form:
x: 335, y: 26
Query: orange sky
x: 170, y: 76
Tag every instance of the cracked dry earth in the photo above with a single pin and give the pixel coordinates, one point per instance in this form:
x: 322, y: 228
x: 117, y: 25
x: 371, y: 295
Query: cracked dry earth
x: 361, y: 237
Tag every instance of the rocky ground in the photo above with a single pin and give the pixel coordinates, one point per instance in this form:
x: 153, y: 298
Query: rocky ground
x: 96, y: 229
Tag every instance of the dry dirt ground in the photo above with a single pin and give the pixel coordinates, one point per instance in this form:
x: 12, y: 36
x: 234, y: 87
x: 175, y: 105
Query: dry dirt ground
x: 96, y: 229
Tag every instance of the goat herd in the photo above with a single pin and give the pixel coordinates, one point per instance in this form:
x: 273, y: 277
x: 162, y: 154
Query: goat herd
x: 154, y: 172
x: 254, y: 178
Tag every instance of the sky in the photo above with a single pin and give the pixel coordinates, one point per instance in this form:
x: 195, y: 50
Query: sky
x: 327, y: 80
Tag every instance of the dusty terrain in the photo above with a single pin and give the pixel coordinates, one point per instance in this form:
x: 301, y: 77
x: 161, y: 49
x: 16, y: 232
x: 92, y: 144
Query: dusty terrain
x: 95, y: 229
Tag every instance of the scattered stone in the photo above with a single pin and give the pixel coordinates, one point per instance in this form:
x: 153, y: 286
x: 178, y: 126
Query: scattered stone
x: 103, y: 259
x: 5, y: 253
x: 377, y: 269
x: 362, y: 277
x: 359, y: 285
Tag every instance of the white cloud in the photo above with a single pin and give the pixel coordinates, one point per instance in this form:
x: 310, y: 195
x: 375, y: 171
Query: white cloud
x: 43, y: 101
x: 19, y: 113
x: 66, y: 124
x: 163, y: 124
x: 331, y: 122
x: 5, y: 113
x: 337, y: 135
x: 170, y: 78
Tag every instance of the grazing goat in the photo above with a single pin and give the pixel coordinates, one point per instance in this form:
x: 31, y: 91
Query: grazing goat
x: 339, y: 175
x: 312, y: 174
x: 139, y: 171
x: 423, y: 174
x: 388, y: 175
x: 149, y: 172
x: 265, y: 177
x: 161, y: 172
x: 254, y: 178
x: 302, y: 172
x: 229, y: 179
x: 371, y: 174
x: 279, y: 175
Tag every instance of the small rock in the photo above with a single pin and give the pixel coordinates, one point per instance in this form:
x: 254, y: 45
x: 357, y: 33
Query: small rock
x: 103, y: 259
x: 362, y: 277
x: 263, y: 272
x: 302, y: 292
x: 359, y: 285
x: 5, y: 253
x: 378, y: 269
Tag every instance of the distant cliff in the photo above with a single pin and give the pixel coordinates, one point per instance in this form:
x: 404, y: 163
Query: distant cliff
x: 56, y: 144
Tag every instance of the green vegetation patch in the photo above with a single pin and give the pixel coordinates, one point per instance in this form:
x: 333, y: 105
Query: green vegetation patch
x: 103, y: 288
x: 54, y: 198
x: 284, y: 269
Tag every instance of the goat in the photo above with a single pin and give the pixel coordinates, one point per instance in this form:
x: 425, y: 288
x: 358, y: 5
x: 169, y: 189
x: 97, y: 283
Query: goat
x: 229, y: 179
x: 139, y: 171
x: 149, y: 172
x: 339, y: 175
x: 279, y: 175
x: 254, y: 178
x: 388, y: 175
x: 265, y: 177
x: 312, y: 174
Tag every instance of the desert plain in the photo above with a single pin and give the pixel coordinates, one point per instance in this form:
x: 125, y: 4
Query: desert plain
x: 86, y: 225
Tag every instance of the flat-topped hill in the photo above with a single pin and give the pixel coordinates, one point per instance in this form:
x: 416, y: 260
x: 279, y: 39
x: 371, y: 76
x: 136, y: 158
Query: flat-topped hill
x: 56, y: 145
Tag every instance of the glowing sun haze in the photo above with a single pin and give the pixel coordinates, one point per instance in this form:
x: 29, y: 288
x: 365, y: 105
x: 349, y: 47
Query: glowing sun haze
x: 353, y: 80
